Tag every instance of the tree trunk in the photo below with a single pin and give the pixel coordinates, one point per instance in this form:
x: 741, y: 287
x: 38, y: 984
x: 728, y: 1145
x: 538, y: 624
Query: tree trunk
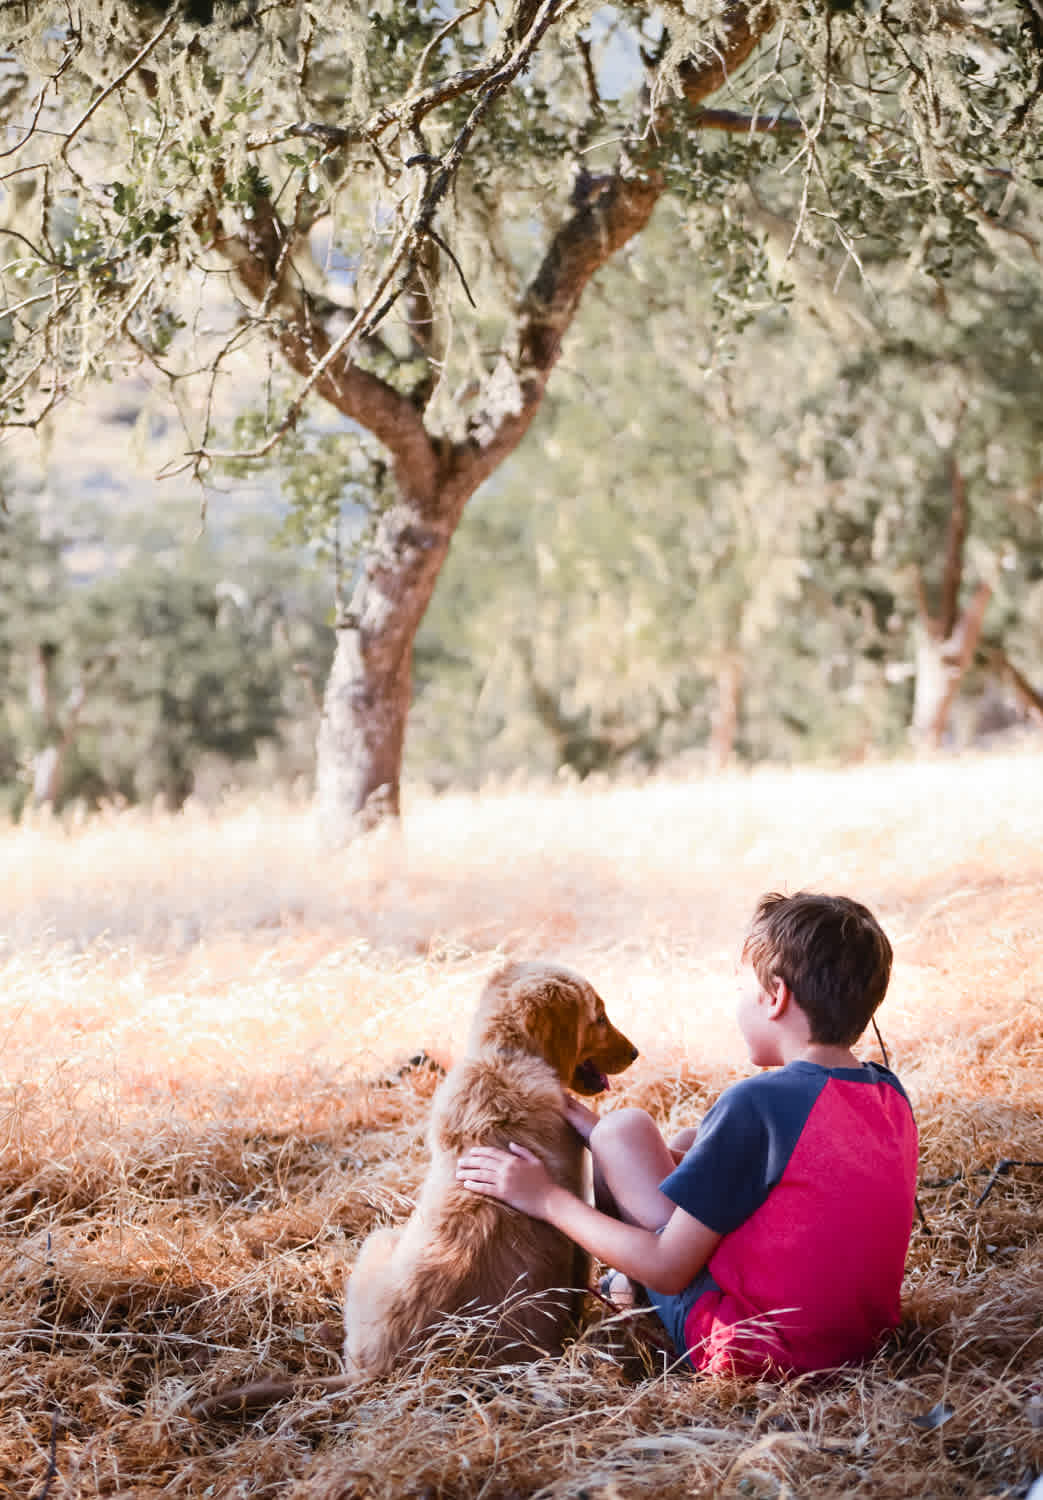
x: 934, y: 690
x: 725, y: 724
x: 362, y: 731
x: 367, y: 699
x: 946, y: 641
x: 47, y: 760
x: 47, y: 776
x: 940, y: 666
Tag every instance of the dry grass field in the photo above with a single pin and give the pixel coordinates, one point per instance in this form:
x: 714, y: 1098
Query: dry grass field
x: 202, y: 1023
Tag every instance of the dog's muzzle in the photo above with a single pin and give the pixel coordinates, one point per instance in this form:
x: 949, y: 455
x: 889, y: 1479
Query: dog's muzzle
x: 592, y: 1077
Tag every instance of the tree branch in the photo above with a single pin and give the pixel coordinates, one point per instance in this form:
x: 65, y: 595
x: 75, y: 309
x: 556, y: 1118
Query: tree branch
x: 41, y: 97
x: 500, y: 77
x: 703, y: 76
x: 421, y: 315
x: 120, y: 79
x: 734, y: 123
x: 1030, y: 700
x: 331, y: 136
x: 440, y: 36
x: 265, y: 271
x: 415, y: 108
x: 621, y: 208
x: 329, y: 367
x: 970, y: 626
x: 611, y: 210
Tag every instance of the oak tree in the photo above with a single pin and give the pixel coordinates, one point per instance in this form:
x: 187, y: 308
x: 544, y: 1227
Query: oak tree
x: 393, y: 211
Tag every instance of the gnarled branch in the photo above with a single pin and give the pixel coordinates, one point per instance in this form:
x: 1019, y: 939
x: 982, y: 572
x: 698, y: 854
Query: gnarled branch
x: 610, y: 211
x: 264, y: 270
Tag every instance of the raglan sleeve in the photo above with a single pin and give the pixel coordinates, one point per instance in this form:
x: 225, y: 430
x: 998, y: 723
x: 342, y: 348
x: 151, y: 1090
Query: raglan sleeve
x: 726, y: 1174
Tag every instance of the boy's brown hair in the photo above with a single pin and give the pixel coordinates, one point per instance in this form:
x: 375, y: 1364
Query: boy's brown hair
x: 832, y: 954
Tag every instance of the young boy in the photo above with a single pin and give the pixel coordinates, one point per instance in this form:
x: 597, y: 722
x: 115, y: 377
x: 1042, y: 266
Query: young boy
x: 773, y: 1239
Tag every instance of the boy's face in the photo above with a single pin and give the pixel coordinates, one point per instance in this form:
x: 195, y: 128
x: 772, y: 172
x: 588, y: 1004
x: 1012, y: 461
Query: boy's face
x: 756, y: 1021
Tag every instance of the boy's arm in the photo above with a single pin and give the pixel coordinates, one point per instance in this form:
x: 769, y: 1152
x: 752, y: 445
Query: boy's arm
x: 580, y: 1116
x: 666, y: 1262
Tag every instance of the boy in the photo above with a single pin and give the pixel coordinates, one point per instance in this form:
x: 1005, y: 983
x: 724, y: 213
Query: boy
x: 773, y: 1239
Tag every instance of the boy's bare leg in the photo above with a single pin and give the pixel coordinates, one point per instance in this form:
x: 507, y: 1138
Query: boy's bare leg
x: 630, y: 1161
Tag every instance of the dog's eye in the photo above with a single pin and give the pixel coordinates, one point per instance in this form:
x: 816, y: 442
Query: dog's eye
x: 601, y: 1020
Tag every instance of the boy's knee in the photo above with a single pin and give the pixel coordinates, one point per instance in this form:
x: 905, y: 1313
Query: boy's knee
x: 622, y: 1127
x: 684, y: 1139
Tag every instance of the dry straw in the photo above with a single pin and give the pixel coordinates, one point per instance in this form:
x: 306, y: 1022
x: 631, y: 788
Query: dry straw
x: 202, y: 1021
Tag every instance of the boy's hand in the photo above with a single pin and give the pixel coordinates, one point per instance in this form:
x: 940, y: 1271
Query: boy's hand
x: 516, y: 1177
x: 580, y: 1116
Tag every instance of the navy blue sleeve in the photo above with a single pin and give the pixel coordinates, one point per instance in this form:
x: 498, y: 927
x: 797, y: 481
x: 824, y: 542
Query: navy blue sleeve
x: 884, y: 1075
x: 743, y: 1146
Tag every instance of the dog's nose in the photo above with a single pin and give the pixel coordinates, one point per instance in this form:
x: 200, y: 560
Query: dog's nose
x: 634, y: 1053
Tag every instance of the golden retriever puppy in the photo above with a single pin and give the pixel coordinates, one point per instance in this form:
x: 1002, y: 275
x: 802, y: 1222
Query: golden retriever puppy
x: 539, y: 1027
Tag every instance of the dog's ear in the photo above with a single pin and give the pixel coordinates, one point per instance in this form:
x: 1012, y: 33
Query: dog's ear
x: 553, y: 1010
x: 497, y: 1022
x: 532, y: 1008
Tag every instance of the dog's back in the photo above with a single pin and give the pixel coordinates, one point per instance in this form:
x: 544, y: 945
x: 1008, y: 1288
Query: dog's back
x: 462, y: 1254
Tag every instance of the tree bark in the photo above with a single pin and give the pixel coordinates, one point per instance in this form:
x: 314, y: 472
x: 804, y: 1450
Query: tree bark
x: 1030, y: 701
x: 941, y: 662
x: 368, y: 693
x: 56, y: 733
x: 946, y: 642
x: 47, y: 759
x: 725, y: 725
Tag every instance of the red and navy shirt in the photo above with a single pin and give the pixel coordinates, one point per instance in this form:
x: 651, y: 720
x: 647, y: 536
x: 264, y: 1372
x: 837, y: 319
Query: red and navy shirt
x: 809, y: 1173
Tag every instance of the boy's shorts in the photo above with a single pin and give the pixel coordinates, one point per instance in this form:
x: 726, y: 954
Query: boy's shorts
x: 673, y: 1309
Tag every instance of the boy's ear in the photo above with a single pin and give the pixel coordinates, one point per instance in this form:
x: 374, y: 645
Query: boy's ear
x: 779, y: 996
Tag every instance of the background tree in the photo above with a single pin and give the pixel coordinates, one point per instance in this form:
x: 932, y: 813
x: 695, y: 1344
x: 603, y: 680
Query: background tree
x: 409, y: 204
x: 122, y: 683
x: 30, y: 574
x: 734, y: 563
x: 931, y: 461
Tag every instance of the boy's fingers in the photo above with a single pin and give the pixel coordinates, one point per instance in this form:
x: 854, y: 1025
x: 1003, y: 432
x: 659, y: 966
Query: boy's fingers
x: 488, y: 1157
x: 481, y: 1156
x: 477, y: 1173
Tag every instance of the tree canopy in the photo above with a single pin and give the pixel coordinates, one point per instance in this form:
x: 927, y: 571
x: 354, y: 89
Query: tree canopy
x: 394, y: 211
x: 399, y: 194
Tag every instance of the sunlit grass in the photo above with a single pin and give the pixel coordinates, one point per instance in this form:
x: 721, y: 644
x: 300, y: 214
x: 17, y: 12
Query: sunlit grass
x: 198, y: 1017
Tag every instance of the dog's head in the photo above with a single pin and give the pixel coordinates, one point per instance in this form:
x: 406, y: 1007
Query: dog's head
x: 552, y: 1012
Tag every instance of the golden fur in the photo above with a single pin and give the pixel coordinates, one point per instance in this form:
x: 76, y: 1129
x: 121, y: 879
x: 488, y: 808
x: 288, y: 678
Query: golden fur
x: 539, y: 1027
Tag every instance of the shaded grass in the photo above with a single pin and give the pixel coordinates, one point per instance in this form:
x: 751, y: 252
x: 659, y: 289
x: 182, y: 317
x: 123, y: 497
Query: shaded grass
x: 200, y: 1030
